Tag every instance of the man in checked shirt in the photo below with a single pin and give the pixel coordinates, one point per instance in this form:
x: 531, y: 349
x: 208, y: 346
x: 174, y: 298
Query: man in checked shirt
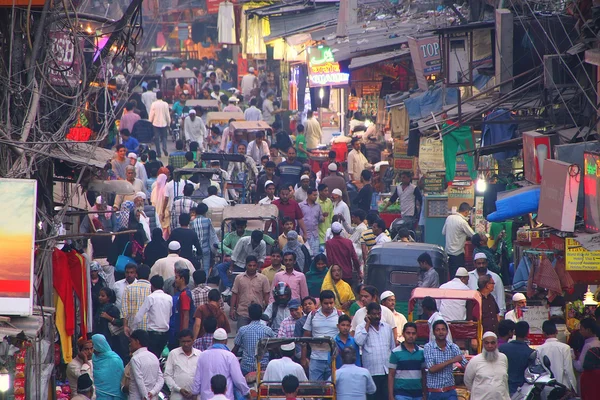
x: 440, y: 356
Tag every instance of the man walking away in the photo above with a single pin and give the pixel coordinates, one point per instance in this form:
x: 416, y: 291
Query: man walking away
x: 181, y: 367
x: 457, y: 230
x: 406, y: 368
x: 376, y: 340
x: 518, y: 352
x: 160, y: 117
x: 218, y: 385
x: 290, y: 385
x: 279, y: 368
x: 247, y: 339
x: 352, y: 382
x: 440, y: 356
x: 561, y: 361
x: 157, y: 307
x: 486, y: 375
x: 455, y: 310
x: 146, y: 377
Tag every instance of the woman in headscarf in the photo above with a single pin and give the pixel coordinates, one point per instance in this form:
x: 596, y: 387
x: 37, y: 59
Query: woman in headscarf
x: 302, y: 254
x: 344, y: 296
x: 156, y: 249
x: 108, y: 318
x: 158, y: 196
x: 108, y: 370
x: 480, y: 244
x: 316, y: 275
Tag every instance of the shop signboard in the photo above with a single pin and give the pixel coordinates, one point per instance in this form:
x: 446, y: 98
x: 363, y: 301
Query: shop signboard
x: 591, y: 179
x: 425, y: 54
x: 212, y: 6
x: 17, y: 240
x: 460, y: 193
x: 64, y: 68
x: 434, y: 183
x: 323, y: 70
x: 577, y: 258
x: 431, y: 155
x: 559, y: 195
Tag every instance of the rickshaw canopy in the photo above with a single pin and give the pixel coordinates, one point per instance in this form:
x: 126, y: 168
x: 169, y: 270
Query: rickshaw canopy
x: 269, y: 344
x: 251, y: 212
x: 251, y: 126
x: 446, y: 294
x: 180, y: 73
x: 220, y: 117
x: 203, y: 103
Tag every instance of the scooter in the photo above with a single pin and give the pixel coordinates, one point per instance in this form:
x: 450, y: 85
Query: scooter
x: 540, y: 383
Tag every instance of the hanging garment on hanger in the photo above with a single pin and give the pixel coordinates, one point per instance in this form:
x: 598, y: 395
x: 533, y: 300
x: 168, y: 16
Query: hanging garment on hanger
x: 226, y: 23
x: 497, y: 132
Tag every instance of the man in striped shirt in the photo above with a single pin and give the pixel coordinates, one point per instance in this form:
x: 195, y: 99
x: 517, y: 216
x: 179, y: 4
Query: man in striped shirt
x: 407, y: 363
x: 133, y: 298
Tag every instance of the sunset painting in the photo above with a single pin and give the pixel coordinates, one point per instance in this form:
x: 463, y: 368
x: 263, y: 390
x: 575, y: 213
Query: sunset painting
x: 17, y: 222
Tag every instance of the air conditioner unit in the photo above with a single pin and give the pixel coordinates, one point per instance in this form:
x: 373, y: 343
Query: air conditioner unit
x: 556, y: 74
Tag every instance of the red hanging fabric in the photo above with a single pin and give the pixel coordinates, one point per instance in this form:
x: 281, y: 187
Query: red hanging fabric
x: 61, y: 280
x: 79, y: 277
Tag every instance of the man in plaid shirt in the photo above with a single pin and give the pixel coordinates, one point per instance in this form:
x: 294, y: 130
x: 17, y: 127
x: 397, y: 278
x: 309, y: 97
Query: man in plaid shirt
x: 182, y: 205
x: 133, y: 298
x: 247, y: 339
x: 287, y: 326
x: 200, y: 292
x: 440, y: 355
x: 206, y: 235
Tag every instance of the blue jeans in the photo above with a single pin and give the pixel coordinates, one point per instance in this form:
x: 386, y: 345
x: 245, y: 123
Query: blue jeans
x: 206, y: 257
x: 313, y: 244
x: 319, y: 370
x: 450, y: 395
x: 226, y: 278
x: 401, y: 397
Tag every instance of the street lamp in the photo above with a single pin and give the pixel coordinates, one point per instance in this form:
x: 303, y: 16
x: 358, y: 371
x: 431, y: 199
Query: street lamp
x: 4, y: 380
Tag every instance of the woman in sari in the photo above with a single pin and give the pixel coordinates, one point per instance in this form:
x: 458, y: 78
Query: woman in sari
x: 344, y: 296
x: 108, y: 370
x: 156, y: 249
x: 157, y: 198
x: 316, y: 275
x: 480, y: 245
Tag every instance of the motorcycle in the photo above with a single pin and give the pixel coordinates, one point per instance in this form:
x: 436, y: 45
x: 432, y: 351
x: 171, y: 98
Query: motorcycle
x: 540, y: 383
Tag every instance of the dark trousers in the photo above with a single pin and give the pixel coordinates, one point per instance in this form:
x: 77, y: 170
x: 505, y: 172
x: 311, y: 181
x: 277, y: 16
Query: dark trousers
x: 455, y: 262
x: 381, y: 381
x: 158, y: 341
x: 160, y: 135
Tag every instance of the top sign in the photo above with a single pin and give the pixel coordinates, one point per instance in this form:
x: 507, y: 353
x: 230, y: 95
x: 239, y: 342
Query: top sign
x: 425, y: 54
x: 323, y: 70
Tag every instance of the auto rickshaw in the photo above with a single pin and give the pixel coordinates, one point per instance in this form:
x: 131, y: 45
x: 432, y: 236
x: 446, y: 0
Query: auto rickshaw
x: 169, y: 81
x: 222, y: 118
x: 249, y: 129
x: 393, y: 266
x: 308, y: 389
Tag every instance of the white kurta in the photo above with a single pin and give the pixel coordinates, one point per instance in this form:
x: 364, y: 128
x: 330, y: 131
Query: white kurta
x: 195, y: 131
x: 487, y: 380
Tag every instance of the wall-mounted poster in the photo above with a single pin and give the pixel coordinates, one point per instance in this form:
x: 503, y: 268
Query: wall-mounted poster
x: 17, y: 239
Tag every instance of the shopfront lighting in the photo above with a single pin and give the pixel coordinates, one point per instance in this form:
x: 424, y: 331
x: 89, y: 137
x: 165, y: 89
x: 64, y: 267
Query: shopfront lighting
x: 4, y: 380
x: 321, y: 93
x: 481, y: 185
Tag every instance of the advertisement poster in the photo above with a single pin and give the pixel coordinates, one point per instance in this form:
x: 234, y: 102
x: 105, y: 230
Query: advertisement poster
x: 577, y: 258
x: 323, y: 70
x: 431, y: 155
x: 17, y: 239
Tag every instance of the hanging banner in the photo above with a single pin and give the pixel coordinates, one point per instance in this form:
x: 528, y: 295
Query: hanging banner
x: 323, y: 70
x: 431, y: 155
x: 17, y: 240
x: 577, y: 258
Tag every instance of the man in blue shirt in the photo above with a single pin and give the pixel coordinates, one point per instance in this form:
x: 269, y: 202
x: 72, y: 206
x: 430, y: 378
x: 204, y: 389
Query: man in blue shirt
x: 130, y: 143
x: 517, y: 351
x: 352, y: 382
x: 343, y: 340
x: 290, y: 170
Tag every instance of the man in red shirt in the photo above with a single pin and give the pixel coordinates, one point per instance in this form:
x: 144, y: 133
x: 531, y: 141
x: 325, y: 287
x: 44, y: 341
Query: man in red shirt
x: 182, y: 316
x: 340, y: 251
x: 288, y: 207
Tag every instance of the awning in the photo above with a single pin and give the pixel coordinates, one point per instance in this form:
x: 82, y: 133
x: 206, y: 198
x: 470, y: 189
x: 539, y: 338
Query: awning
x: 301, y: 22
x: 82, y: 154
x: 359, y: 62
x: 30, y: 326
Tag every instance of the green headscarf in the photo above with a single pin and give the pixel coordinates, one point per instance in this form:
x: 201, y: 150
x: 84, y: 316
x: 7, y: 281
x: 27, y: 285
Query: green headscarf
x: 314, y: 277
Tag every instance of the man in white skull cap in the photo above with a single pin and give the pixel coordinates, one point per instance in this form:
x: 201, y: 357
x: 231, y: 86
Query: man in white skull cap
x: 486, y: 375
x: 481, y: 269
x: 194, y: 129
x: 455, y: 310
x: 516, y: 314
x: 285, y: 365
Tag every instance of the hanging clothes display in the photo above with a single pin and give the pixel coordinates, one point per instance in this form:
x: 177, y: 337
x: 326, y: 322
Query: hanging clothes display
x: 79, y: 278
x: 64, y: 302
x: 399, y: 123
x: 460, y: 139
x: 498, y: 132
x: 226, y: 23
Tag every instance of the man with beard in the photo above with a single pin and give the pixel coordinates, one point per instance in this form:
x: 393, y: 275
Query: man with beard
x: 486, y: 375
x: 481, y: 269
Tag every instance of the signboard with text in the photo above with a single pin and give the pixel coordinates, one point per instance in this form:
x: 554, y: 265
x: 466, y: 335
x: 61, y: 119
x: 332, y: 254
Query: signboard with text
x: 577, y: 258
x: 425, y: 54
x: 591, y: 178
x: 323, y: 70
x: 65, y: 65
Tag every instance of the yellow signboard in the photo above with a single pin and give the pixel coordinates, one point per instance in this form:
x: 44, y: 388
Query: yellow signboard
x: 580, y: 259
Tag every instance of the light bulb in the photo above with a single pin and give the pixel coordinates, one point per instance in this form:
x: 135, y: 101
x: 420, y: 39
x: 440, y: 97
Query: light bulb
x: 4, y: 380
x: 481, y: 185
